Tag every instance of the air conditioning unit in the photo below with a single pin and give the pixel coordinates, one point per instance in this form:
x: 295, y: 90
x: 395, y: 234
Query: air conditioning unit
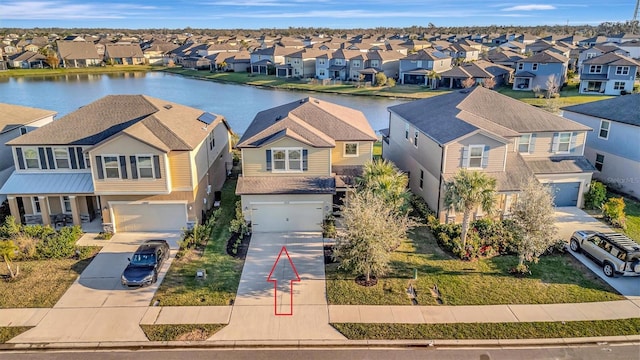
x: 208, y: 189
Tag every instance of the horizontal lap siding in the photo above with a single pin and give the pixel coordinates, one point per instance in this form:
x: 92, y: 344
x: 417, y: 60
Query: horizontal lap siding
x: 496, y: 153
x: 180, y: 167
x: 254, y: 160
x: 364, y: 153
x: 544, y: 141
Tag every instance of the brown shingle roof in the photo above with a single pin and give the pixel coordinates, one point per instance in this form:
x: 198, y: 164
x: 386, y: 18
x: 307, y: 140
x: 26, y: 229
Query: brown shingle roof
x: 257, y: 185
x: 124, y: 50
x: 13, y: 116
x: 76, y: 50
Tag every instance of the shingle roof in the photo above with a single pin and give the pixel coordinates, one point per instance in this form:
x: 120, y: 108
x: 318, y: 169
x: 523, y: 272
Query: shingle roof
x: 559, y: 165
x: 450, y: 116
x: 611, y: 58
x: 257, y: 185
x: 13, y: 116
x: 624, y: 109
x: 74, y: 50
x: 316, y: 122
x: 511, y: 179
x: 166, y: 125
x: 545, y: 57
x: 124, y: 50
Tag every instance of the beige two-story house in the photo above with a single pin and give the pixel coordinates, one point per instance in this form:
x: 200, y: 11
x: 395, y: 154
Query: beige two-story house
x: 130, y: 162
x: 298, y: 160
x: 481, y: 130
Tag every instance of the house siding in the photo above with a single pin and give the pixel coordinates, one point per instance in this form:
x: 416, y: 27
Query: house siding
x: 365, y: 153
x: 497, y: 151
x: 254, y: 160
x: 617, y: 172
x: 180, y: 169
x: 544, y: 141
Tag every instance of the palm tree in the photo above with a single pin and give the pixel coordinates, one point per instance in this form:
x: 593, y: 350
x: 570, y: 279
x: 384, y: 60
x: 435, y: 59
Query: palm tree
x: 382, y: 178
x: 467, y: 191
x: 433, y: 76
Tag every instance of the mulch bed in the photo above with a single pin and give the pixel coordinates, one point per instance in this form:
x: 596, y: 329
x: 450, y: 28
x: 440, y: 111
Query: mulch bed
x: 362, y: 280
x: 243, y: 246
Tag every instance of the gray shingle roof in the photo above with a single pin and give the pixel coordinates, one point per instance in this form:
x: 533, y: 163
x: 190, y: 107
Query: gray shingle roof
x: 624, y: 109
x: 512, y: 178
x: 545, y: 57
x: 559, y: 165
x: 611, y: 58
x: 258, y: 185
x: 13, y: 116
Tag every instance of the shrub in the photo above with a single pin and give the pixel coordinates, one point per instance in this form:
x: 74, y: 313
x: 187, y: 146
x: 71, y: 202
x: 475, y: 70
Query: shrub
x: 238, y: 223
x: 381, y: 79
x: 199, y: 234
x: 420, y: 207
x: 27, y: 246
x: 38, y: 231
x: 596, y: 196
x: 9, y: 228
x: 329, y: 227
x: 391, y: 82
x: 613, y: 211
x: 60, y: 245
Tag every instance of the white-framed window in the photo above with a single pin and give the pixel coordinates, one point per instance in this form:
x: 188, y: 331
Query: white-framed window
x: 618, y: 85
x: 23, y: 130
x: 144, y: 163
x: 322, y: 73
x: 321, y: 61
x: 520, y: 66
x: 286, y: 159
x: 534, y: 66
x: 374, y: 63
x: 421, y: 179
x: 406, y: 131
x: 595, y: 69
x: 622, y: 70
x: 87, y: 160
x: 564, y: 142
x: 591, y: 55
x: 599, y: 161
x: 31, y: 159
x: 338, y: 61
x: 65, y: 201
x: 604, y: 129
x: 61, y: 156
x: 355, y: 63
x: 476, y: 153
x: 351, y: 149
x: 524, y: 142
x: 36, y: 205
x: 415, y: 138
x: 111, y: 167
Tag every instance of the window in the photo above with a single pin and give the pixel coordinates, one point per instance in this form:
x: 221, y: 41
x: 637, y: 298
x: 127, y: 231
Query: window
x: 23, y: 130
x: 520, y: 66
x: 524, y: 142
x: 212, y: 141
x: 62, y: 158
x: 356, y: 63
x: 604, y: 129
x: 322, y: 73
x: 338, y: 61
x: 351, y: 149
x: 415, y: 138
x: 87, y: 162
x: 66, y: 204
x: 321, y: 61
x: 36, y: 205
x: 406, y: 131
x: 145, y: 167
x: 599, y: 161
x: 421, y: 178
x: 618, y: 85
x: 622, y: 70
x: 287, y: 159
x: 475, y: 155
x: 534, y: 66
x: 31, y: 159
x: 595, y: 69
x: 111, y: 167
x: 564, y: 142
x: 374, y: 63
x: 591, y: 55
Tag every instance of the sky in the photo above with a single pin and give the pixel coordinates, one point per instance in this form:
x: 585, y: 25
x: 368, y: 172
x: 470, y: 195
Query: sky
x: 337, y: 14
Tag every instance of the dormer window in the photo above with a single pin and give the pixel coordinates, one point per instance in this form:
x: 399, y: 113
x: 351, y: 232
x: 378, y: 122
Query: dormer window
x: 287, y: 159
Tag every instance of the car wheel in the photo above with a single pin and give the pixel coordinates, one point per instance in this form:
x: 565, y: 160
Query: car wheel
x: 574, y: 245
x: 608, y: 269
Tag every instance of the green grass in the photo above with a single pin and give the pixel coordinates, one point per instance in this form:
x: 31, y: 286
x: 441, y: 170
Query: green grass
x: 180, y: 288
x: 66, y: 71
x: 568, y: 96
x: 632, y: 210
x: 41, y: 283
x: 185, y: 332
x: 377, y: 149
x: 9, y: 332
x: 459, y: 331
x: 554, y: 279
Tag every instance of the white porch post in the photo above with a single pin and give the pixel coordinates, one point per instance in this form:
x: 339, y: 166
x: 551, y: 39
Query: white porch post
x: 74, y: 210
x: 44, y: 210
x: 13, y: 208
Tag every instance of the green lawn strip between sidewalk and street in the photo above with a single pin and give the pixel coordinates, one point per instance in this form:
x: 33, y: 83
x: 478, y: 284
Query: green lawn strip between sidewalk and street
x: 554, y: 279
x: 181, y: 288
x: 184, y: 332
x: 41, y: 283
x: 461, y: 331
x: 9, y: 332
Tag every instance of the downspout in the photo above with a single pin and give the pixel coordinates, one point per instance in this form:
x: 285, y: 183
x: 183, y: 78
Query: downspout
x: 442, y: 168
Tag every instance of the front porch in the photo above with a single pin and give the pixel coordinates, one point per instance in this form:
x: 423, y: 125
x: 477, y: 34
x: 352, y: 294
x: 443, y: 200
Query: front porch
x: 57, y: 211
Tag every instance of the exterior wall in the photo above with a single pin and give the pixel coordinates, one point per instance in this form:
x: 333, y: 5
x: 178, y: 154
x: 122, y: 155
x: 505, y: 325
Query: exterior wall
x: 254, y: 160
x: 308, y: 68
x: 543, y: 73
x: 180, y: 170
x: 442, y: 65
x: 322, y: 70
x: 497, y: 151
x: 6, y: 158
x: 617, y: 172
x: 583, y: 178
x: 365, y: 153
x: 391, y: 68
x: 174, y: 196
x: 543, y: 145
x: 246, y: 200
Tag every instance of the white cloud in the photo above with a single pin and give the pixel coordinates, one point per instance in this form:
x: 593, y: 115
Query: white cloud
x: 63, y: 10
x: 530, y: 7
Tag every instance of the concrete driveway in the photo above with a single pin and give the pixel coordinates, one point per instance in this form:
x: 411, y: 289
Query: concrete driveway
x: 254, y: 312
x: 96, y: 307
x: 570, y: 219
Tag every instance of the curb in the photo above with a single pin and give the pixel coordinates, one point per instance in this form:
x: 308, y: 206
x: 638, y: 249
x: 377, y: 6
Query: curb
x: 294, y: 344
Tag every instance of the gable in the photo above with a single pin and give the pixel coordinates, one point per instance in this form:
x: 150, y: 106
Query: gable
x: 123, y: 143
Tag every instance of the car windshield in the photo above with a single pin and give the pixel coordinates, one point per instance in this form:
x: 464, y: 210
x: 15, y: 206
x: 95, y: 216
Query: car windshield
x: 143, y: 259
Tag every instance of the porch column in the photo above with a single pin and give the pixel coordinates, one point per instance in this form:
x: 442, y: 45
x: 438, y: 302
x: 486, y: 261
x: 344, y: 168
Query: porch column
x: 13, y: 208
x: 44, y: 210
x: 75, y: 213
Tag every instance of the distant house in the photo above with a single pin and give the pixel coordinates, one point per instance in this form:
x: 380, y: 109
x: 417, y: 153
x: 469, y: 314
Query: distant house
x: 598, y: 50
x: 479, y: 71
x: 609, y: 74
x: 238, y: 62
x: 462, y: 52
x: 77, y: 54
x: 415, y: 68
x: 505, y: 58
x: 27, y: 60
x: 264, y: 59
x: 537, y: 70
x: 387, y: 62
x: 613, y: 146
x: 124, y: 54
x: 157, y: 52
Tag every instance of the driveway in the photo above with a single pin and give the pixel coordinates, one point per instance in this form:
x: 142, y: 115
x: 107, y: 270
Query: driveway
x: 254, y: 312
x: 96, y: 307
x: 570, y: 219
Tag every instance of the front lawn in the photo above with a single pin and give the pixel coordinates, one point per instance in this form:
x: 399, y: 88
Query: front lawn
x: 555, y: 279
x: 632, y: 210
x: 180, y: 287
x: 180, y: 332
x: 9, y: 332
x: 568, y: 96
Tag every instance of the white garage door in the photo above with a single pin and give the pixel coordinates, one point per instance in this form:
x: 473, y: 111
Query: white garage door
x: 286, y: 217
x: 149, y: 217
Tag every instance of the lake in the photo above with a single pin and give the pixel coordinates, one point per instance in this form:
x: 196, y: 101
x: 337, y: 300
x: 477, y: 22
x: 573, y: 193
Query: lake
x: 237, y: 103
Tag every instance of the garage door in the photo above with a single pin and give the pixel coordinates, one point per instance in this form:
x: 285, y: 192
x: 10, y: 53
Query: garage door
x: 149, y: 217
x: 566, y: 194
x: 286, y: 217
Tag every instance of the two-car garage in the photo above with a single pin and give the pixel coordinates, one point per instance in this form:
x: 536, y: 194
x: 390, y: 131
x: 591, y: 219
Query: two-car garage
x: 148, y: 216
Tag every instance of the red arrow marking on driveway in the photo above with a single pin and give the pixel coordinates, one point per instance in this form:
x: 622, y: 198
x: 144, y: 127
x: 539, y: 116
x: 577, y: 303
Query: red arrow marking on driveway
x: 275, y: 282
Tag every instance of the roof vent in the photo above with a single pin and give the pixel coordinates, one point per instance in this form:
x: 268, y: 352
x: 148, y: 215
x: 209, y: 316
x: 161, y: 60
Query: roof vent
x: 168, y: 106
x: 278, y: 117
x: 302, y: 101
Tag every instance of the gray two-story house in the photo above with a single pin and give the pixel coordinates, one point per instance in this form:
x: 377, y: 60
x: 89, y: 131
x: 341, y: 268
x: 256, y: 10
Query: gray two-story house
x: 415, y: 68
x: 608, y: 74
x: 537, y: 70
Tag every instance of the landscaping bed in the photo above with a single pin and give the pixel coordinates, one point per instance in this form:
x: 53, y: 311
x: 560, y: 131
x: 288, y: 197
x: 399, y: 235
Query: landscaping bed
x: 554, y: 279
x: 237, y: 247
x: 181, y: 332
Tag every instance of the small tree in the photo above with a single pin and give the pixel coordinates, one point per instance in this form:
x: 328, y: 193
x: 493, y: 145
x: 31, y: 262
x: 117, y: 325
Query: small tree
x: 467, y: 191
x: 596, y: 196
x: 613, y: 211
x: 489, y: 83
x: 534, y: 218
x: 552, y: 94
x: 433, y: 76
x: 8, y: 250
x: 238, y: 224
x: 468, y: 82
x: 371, y: 230
x: 381, y: 79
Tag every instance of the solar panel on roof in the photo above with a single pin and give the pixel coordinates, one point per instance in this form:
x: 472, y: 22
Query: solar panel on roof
x: 207, y: 118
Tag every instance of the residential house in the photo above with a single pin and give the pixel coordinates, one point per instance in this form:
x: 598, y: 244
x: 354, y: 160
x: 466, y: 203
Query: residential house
x: 262, y: 60
x: 128, y: 162
x: 482, y: 130
x: 78, y: 54
x: 124, y: 54
x: 15, y: 121
x: 613, y: 146
x: 157, y: 52
x: 462, y: 53
x: 415, y: 68
x: 598, y: 50
x: 238, y: 62
x: 537, y: 70
x: 505, y: 58
x: 300, y: 64
x: 632, y: 48
x: 479, y: 71
x: 609, y: 74
x: 386, y: 62
x: 592, y: 41
x: 514, y: 46
x: 27, y: 60
x: 298, y: 160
